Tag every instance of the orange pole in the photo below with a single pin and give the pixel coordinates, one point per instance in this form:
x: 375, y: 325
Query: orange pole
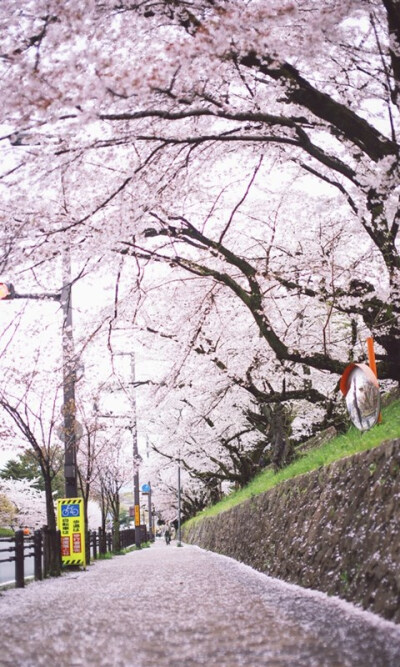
x: 372, y: 363
x: 371, y: 356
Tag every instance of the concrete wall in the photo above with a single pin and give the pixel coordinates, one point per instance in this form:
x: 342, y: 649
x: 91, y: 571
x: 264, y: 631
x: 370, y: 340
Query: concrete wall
x: 336, y: 530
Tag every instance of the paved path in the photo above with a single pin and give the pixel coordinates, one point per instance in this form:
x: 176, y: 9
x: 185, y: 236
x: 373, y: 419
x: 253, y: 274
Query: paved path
x: 171, y: 606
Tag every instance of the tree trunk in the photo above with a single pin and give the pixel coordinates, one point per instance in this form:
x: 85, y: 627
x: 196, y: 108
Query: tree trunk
x: 50, y: 513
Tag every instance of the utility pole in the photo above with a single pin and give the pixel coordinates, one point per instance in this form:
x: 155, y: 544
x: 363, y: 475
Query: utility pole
x: 150, y: 516
x: 132, y: 426
x: 136, y: 459
x: 179, y: 504
x: 69, y: 379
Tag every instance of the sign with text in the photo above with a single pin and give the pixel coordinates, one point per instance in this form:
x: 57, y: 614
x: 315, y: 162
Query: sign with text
x: 71, y: 524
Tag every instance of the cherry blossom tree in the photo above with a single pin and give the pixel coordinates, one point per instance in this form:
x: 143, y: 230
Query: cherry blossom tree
x: 25, y: 466
x: 29, y: 504
x: 8, y: 512
x: 254, y: 152
x: 91, y: 448
x: 216, y: 72
x: 115, y: 473
x: 37, y: 430
x: 31, y: 392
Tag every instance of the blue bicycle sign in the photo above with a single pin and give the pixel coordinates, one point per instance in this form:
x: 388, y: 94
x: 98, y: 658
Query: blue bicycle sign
x: 68, y: 511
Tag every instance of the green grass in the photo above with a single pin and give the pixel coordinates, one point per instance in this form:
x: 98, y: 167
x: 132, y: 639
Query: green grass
x: 111, y: 554
x: 340, y: 447
x: 6, y: 532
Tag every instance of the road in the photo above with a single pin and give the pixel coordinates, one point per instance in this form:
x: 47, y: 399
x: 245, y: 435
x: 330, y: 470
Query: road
x: 170, y: 606
x: 7, y: 570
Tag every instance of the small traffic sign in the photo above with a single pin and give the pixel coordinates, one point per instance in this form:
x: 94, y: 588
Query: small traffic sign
x: 71, y: 524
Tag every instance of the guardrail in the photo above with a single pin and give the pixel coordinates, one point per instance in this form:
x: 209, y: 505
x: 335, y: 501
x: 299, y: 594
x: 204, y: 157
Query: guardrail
x: 100, y: 542
x: 44, y: 547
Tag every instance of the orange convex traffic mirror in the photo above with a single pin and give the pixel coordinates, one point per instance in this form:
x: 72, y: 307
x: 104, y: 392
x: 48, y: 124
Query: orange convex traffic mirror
x: 360, y: 387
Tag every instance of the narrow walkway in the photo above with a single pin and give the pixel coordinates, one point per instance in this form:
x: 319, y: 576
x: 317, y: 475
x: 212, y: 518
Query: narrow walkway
x: 170, y: 606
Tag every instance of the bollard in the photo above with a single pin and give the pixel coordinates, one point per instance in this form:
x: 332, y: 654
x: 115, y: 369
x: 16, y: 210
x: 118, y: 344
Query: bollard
x: 19, y: 559
x: 102, y: 546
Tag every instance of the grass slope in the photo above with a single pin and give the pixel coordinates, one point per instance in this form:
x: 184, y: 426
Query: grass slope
x: 340, y: 447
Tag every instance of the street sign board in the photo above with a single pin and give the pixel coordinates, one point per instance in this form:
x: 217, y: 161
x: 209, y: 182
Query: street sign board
x: 146, y: 488
x: 71, y: 523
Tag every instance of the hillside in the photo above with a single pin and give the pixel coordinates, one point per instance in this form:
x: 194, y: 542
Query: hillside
x: 311, y: 458
x: 328, y: 522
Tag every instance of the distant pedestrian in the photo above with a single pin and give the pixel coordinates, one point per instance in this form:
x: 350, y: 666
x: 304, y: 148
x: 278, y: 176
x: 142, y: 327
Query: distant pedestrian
x: 167, y: 536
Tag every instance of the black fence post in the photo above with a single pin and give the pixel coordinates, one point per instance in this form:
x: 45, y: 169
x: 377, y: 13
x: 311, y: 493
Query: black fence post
x: 102, y: 541
x: 19, y: 559
x: 87, y: 547
x: 46, y: 556
x: 37, y: 557
x: 94, y: 542
x: 58, y: 555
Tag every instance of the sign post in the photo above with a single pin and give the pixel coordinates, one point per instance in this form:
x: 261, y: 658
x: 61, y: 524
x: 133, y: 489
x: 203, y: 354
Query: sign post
x: 146, y: 491
x: 71, y: 523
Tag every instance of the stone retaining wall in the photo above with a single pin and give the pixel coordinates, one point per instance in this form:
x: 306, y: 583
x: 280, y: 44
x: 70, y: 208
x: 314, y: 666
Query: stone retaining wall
x: 336, y: 530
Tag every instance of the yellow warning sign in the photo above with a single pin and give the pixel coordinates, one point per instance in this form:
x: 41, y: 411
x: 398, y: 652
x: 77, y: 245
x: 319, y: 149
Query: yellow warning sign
x: 71, y: 524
